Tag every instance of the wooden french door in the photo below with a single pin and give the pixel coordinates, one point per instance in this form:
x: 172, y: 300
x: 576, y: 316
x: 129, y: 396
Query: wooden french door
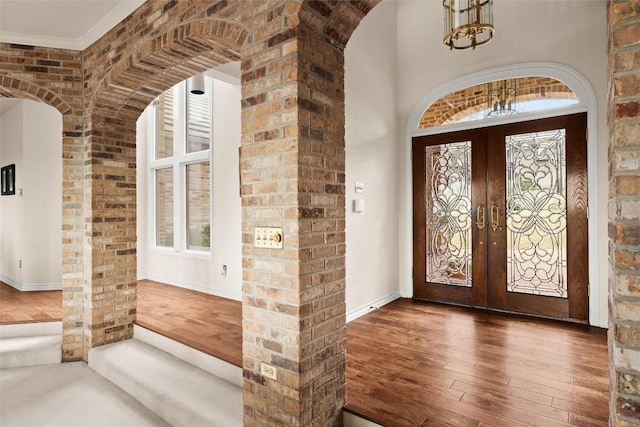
x: 500, y: 217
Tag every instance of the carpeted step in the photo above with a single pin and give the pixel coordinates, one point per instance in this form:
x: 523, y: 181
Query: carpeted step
x: 217, y: 367
x: 180, y: 393
x: 30, y: 351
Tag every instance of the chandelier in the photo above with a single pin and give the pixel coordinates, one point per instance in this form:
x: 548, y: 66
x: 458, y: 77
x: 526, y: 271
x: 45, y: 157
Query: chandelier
x: 501, y: 97
x: 468, y: 23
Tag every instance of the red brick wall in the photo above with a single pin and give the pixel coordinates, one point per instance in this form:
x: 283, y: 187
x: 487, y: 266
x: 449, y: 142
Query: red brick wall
x: 624, y: 211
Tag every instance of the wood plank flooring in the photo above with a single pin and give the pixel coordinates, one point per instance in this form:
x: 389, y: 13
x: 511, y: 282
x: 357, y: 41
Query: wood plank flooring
x: 205, y: 322
x: 419, y: 364
x: 28, y: 307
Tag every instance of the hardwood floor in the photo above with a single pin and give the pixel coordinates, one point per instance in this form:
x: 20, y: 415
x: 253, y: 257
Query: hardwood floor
x: 205, y: 322
x: 419, y: 364
x: 29, y: 307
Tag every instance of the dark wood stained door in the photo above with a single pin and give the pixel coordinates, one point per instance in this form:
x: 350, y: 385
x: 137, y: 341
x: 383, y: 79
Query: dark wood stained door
x: 500, y: 217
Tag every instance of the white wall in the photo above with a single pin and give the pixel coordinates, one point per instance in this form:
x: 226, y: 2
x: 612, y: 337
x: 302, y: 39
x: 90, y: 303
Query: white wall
x: 196, y: 272
x: 30, y: 224
x: 11, y: 207
x: 570, y: 32
x: 372, y: 157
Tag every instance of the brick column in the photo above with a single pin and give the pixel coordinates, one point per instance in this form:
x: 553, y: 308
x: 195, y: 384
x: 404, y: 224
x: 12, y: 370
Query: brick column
x: 292, y: 176
x: 110, y: 231
x: 624, y: 211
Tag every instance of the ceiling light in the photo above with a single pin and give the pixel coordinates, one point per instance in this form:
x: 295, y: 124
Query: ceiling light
x: 196, y: 84
x: 468, y: 23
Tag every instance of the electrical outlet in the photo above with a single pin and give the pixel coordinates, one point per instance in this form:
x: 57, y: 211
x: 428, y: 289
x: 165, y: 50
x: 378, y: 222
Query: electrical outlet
x: 19, y: 263
x: 268, y: 371
x: 268, y: 237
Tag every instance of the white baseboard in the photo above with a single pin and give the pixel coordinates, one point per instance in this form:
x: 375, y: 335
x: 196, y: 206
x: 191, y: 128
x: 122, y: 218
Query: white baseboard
x: 354, y: 314
x: 27, y: 287
x: 216, y: 292
x: 351, y: 420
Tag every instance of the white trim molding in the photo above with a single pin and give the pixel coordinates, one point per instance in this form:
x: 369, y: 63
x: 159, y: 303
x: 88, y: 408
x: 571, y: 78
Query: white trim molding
x: 374, y: 305
x: 28, y: 287
x: 586, y: 103
x: 191, y: 286
x: 116, y: 15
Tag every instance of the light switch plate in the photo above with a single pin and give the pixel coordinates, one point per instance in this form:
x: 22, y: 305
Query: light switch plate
x: 268, y: 237
x: 359, y: 187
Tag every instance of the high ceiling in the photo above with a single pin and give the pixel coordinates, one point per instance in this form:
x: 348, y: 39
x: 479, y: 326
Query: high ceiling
x: 67, y: 24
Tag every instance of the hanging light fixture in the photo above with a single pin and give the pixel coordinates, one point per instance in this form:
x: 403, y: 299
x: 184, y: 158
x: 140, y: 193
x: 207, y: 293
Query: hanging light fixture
x: 501, y: 97
x: 196, y: 84
x: 468, y: 23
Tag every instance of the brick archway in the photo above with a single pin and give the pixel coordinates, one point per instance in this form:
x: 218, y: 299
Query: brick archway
x: 159, y: 63
x: 141, y: 73
x: 12, y: 87
x: 65, y: 99
x: 292, y: 169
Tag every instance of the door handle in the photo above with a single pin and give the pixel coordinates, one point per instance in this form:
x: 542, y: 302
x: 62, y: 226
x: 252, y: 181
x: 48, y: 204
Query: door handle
x: 480, y: 217
x: 495, y: 218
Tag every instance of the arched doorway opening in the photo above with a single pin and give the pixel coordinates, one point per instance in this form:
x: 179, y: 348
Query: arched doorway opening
x: 189, y: 215
x: 124, y: 92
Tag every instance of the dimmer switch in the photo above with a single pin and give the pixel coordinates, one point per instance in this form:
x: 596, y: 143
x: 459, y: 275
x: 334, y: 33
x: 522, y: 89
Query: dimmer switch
x: 268, y: 237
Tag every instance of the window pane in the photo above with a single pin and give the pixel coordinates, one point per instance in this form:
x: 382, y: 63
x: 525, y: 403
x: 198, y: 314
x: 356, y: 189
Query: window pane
x: 164, y: 207
x: 537, y: 213
x: 198, y: 206
x: 164, y: 125
x: 199, y: 119
x: 448, y: 200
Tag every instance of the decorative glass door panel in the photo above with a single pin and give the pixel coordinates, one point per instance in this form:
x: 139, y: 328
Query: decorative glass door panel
x: 448, y: 213
x: 536, y: 213
x: 500, y: 217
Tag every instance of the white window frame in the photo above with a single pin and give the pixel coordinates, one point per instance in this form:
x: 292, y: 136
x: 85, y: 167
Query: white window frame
x: 178, y: 162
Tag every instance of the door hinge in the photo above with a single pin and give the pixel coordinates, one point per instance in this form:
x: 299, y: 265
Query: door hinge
x: 588, y: 289
x: 587, y: 134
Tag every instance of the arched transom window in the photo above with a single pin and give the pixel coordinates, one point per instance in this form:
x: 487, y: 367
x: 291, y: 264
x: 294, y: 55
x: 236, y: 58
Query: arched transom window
x: 498, y: 98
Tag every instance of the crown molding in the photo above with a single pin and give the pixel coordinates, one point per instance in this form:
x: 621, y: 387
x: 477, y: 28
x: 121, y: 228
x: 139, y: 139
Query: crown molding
x: 103, y: 26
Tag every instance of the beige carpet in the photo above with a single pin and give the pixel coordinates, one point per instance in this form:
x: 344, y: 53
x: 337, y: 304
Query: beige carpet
x: 69, y: 395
